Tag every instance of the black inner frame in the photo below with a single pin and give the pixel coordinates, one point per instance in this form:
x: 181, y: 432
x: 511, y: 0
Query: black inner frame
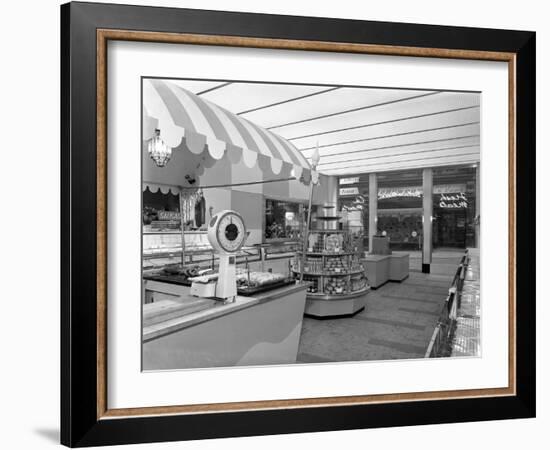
x: 79, y: 424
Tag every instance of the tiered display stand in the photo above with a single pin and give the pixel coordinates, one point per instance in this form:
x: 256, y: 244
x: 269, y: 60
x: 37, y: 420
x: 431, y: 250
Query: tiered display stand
x: 338, y: 282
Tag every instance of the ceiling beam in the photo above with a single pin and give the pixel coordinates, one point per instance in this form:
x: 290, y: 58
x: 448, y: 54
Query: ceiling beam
x: 393, y: 155
x: 301, y: 97
x: 406, y: 133
x: 219, y: 86
x: 372, y: 124
x: 361, y: 108
x: 399, y: 145
x: 414, y: 164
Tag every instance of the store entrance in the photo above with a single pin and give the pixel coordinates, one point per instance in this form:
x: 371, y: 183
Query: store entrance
x: 402, y: 226
x: 449, y: 229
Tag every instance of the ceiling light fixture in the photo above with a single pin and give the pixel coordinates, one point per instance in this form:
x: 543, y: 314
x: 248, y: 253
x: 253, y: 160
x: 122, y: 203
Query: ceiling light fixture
x: 158, y: 150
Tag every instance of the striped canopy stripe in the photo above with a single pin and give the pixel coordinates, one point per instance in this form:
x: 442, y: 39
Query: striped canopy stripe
x: 182, y: 115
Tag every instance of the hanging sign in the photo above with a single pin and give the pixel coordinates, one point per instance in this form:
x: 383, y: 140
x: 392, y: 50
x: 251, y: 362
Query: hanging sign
x: 453, y: 201
x: 349, y: 191
x: 384, y: 193
x: 352, y: 180
x: 449, y: 188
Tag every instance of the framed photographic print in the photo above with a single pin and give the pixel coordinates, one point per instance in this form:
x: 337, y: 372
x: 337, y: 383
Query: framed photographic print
x: 277, y: 224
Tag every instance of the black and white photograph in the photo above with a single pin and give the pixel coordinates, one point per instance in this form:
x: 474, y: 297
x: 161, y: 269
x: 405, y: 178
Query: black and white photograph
x: 275, y: 225
x: 295, y: 223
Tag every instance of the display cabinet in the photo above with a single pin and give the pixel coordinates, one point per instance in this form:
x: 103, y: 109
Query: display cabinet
x: 331, y: 264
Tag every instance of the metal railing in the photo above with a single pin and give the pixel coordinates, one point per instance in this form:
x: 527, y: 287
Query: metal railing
x: 440, y: 341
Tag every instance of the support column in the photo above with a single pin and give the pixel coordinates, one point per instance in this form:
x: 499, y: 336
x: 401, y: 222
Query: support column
x: 373, y: 207
x: 478, y: 206
x: 427, y: 210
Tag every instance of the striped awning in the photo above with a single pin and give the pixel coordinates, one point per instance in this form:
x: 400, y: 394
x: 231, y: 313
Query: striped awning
x: 181, y: 115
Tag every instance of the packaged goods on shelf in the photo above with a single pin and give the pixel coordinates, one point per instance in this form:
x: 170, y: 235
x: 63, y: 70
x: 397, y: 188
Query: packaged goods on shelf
x: 314, y: 287
x: 335, y: 285
x: 330, y: 265
x: 357, y: 282
x: 335, y: 264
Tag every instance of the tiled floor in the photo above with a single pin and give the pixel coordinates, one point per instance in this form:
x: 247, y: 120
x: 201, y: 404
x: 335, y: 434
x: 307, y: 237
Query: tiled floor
x: 397, y: 322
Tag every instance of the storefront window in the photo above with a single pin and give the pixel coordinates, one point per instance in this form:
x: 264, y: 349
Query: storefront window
x: 400, y: 210
x: 404, y: 228
x: 161, y: 211
x: 453, y: 221
x: 283, y: 220
x: 400, y: 216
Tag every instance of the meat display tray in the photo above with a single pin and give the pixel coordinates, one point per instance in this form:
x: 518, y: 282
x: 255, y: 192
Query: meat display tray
x: 165, y: 278
x: 241, y: 290
x: 248, y: 291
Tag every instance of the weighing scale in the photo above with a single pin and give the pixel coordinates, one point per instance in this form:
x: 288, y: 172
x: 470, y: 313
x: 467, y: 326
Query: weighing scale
x: 227, y: 234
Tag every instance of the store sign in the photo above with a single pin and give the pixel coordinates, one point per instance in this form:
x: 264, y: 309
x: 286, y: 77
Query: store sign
x: 352, y: 180
x: 416, y: 191
x: 453, y: 201
x: 359, y: 204
x: 385, y: 193
x: 169, y: 215
x: 449, y: 188
x: 349, y: 191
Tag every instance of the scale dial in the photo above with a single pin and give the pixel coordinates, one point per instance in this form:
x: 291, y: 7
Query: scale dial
x: 227, y: 231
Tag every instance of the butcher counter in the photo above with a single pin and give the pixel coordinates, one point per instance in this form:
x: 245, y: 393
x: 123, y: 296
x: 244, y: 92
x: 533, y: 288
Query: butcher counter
x: 181, y: 331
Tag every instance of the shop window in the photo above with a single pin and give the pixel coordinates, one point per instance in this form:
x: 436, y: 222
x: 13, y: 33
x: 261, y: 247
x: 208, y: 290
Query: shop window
x: 284, y: 220
x: 161, y: 211
x: 403, y: 228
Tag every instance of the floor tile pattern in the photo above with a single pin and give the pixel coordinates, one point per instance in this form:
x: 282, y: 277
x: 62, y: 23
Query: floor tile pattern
x: 397, y: 322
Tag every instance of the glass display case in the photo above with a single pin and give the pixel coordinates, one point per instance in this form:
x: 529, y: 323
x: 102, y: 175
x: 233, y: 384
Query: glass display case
x: 164, y: 249
x: 161, y: 249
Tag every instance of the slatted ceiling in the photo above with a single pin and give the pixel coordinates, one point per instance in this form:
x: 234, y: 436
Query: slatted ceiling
x: 437, y: 137
x: 418, y: 163
x: 289, y: 100
x: 239, y: 97
x: 332, y: 103
x: 432, y: 106
x: 381, y: 157
x: 402, y: 160
x: 390, y: 129
x: 402, y: 156
x: 196, y: 86
x: 435, y: 134
x: 411, y: 125
x: 390, y: 134
x: 214, y: 88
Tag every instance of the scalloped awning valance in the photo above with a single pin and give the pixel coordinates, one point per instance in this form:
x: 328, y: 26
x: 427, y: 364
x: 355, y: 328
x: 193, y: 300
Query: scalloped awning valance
x: 180, y: 114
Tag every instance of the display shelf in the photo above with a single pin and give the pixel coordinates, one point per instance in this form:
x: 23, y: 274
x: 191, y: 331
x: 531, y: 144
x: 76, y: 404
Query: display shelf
x: 327, y: 254
x: 178, y: 232
x: 331, y: 264
x: 332, y: 274
x: 343, y: 296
